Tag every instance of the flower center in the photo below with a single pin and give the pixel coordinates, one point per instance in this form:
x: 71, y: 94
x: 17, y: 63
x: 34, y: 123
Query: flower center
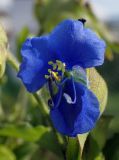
x: 57, y: 70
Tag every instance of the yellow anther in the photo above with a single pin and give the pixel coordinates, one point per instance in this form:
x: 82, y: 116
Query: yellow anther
x: 57, y: 66
x: 55, y: 75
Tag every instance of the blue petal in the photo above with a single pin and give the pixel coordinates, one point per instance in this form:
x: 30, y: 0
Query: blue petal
x: 72, y: 119
x: 77, y: 45
x: 34, y: 66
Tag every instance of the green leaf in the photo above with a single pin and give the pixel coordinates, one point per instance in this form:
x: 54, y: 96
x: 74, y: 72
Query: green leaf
x: 26, y: 150
x: 111, y: 149
x: 73, y: 149
x: 99, y: 87
x: 24, y: 131
x: 6, y: 153
x: 43, y: 135
x: 101, y: 132
x: 82, y: 139
x: 100, y: 157
x: 114, y: 125
x: 3, y: 51
x: 49, y: 142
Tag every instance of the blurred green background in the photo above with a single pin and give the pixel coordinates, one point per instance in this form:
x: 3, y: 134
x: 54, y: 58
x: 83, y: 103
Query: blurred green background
x: 21, y: 136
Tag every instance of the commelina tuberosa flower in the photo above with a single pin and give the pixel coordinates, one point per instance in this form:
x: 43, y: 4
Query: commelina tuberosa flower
x: 60, y: 59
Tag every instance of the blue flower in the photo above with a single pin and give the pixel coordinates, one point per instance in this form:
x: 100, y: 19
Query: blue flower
x: 75, y: 108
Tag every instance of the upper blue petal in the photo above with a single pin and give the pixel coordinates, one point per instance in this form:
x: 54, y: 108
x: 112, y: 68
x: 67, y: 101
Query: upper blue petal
x: 35, y: 56
x: 76, y: 45
x: 72, y: 119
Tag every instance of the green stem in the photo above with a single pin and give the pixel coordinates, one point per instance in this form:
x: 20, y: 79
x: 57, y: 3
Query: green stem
x: 41, y: 103
x: 13, y: 61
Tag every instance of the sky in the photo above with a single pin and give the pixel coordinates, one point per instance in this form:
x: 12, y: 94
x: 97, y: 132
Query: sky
x: 106, y: 9
x: 5, y: 4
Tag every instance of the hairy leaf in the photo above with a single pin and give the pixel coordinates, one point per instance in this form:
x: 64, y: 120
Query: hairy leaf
x: 99, y: 87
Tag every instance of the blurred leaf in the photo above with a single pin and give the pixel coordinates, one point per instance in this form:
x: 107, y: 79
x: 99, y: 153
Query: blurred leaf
x: 100, y: 157
x: 92, y: 150
x: 26, y: 151
x: 47, y: 12
x: 6, y: 154
x: 99, y: 87
x: 49, y: 142
x: 114, y: 125
x: 101, y: 132
x: 110, y: 71
x: 3, y: 51
x: 24, y: 131
x: 114, y: 47
x: 109, y: 54
x: 113, y: 105
x: 43, y: 135
x: 111, y: 149
x: 73, y: 149
x: 116, y: 155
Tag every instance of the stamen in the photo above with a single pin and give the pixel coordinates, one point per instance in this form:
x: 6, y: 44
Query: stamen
x: 57, y: 66
x: 50, y: 87
x: 55, y: 75
x: 58, y: 98
x: 62, y: 82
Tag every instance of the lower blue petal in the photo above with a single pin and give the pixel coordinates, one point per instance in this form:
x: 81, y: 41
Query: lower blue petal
x: 72, y: 119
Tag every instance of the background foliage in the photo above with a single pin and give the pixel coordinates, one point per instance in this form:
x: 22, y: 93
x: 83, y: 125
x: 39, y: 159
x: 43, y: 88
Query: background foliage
x: 25, y: 133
